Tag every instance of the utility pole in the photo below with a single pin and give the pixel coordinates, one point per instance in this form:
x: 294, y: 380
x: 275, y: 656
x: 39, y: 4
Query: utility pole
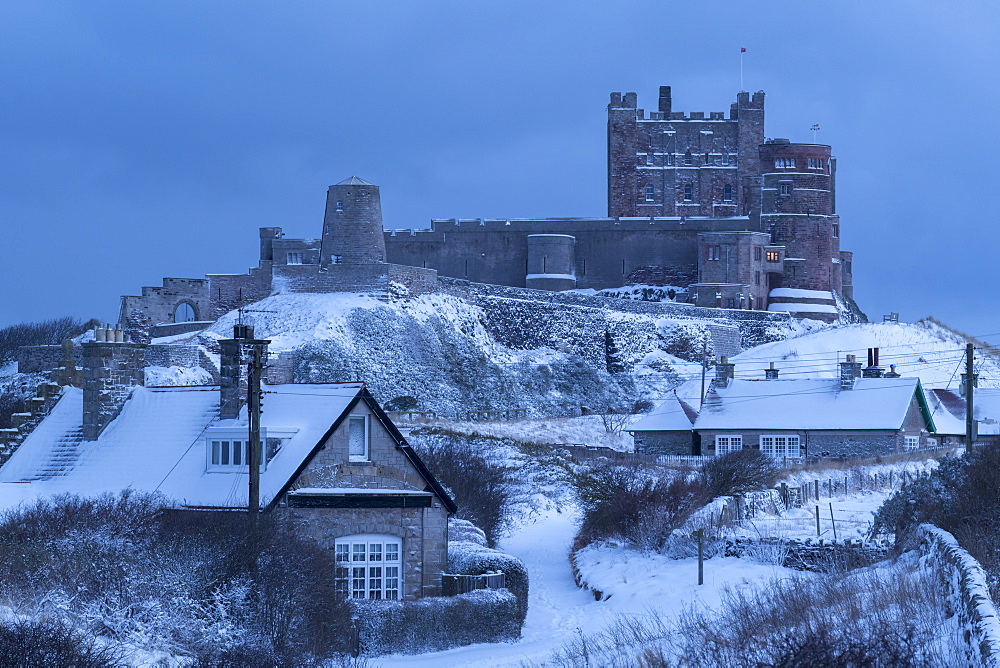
x: 255, y: 369
x: 970, y: 382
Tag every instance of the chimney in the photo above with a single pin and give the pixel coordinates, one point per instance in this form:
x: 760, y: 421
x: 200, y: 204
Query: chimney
x: 110, y: 371
x: 771, y: 373
x: 232, y: 374
x: 892, y: 372
x: 850, y: 370
x: 724, y: 372
x: 664, y: 101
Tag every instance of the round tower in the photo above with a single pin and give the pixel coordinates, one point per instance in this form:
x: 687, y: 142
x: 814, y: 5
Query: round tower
x: 352, y: 225
x: 551, y: 262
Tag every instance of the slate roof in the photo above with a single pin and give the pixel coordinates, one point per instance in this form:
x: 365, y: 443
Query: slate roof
x: 354, y: 181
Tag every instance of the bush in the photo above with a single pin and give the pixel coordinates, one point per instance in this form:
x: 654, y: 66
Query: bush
x: 739, y: 472
x: 484, y: 487
x: 471, y: 558
x: 641, y: 506
x: 46, y: 332
x: 50, y: 643
x: 208, y: 585
x: 432, y: 624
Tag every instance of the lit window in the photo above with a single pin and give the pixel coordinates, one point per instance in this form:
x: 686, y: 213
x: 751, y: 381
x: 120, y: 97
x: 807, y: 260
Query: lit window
x: 650, y: 192
x: 727, y: 193
x: 368, y: 566
x: 781, y: 447
x: 712, y: 253
x: 786, y: 188
x: 911, y: 442
x: 687, y: 158
x: 726, y: 444
x: 358, y: 437
x: 784, y: 163
x: 773, y: 256
x: 294, y: 258
x: 688, y: 192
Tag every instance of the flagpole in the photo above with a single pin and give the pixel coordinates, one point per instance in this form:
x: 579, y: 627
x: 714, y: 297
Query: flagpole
x: 742, y: 51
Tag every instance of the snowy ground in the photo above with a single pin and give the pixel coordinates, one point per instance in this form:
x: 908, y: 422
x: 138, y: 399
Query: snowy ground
x: 559, y: 611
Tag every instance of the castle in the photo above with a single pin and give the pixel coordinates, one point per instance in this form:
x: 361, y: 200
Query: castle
x: 702, y: 203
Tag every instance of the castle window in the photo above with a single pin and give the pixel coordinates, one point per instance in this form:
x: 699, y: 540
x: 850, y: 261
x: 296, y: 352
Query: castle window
x: 670, y: 160
x: 727, y: 193
x: 338, y: 259
x: 711, y: 252
x: 688, y: 192
x: 357, y: 436
x: 650, y: 192
x: 757, y: 252
x: 368, y: 566
x: 340, y: 206
x: 847, y: 267
x: 773, y: 256
x: 730, y: 302
x: 816, y: 163
x: 294, y: 258
x: 725, y: 158
x: 784, y: 163
x: 184, y: 313
x: 836, y: 230
x: 786, y: 188
x: 687, y: 159
x: 756, y: 277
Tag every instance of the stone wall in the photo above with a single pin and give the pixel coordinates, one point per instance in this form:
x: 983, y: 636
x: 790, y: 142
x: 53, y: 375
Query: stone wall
x: 964, y: 583
x: 363, y: 278
x: 40, y: 359
x: 110, y: 371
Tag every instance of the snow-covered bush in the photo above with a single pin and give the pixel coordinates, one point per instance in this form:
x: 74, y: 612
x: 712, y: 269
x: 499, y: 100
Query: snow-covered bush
x: 633, y: 503
x: 468, y: 556
x: 739, y: 472
x: 15, y: 390
x: 431, y: 624
x: 211, y: 586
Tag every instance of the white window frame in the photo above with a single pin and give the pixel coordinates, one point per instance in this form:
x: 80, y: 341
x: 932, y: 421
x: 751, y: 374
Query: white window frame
x: 650, y: 192
x: 369, y: 566
x: 727, y: 444
x: 781, y: 447
x: 785, y: 189
x: 911, y: 443
x: 352, y: 420
x: 295, y: 257
x: 229, y: 436
x: 784, y: 163
x: 727, y: 192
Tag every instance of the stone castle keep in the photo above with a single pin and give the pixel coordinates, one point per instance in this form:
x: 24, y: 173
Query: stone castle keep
x: 703, y: 203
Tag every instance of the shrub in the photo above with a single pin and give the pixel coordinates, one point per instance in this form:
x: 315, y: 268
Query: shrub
x: 46, y: 332
x: 431, y: 624
x: 213, y: 586
x: 51, y: 643
x: 638, y: 505
x: 470, y: 558
x: 739, y: 472
x: 484, y: 487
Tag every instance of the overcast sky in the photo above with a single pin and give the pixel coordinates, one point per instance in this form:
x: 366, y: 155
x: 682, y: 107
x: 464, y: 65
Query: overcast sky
x: 150, y: 139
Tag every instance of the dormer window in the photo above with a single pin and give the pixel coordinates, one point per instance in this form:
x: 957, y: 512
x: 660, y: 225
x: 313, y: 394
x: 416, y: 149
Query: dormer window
x: 358, y: 438
x: 226, y: 453
x: 227, y: 449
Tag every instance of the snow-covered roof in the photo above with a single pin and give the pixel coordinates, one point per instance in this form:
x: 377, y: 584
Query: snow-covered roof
x: 948, y: 409
x: 158, y: 443
x: 671, y: 415
x: 796, y: 404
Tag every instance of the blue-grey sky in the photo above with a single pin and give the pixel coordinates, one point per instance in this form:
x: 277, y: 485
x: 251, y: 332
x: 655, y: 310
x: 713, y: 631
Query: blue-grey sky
x: 150, y: 139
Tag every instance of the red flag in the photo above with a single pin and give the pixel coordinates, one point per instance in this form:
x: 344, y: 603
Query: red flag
x: 743, y: 50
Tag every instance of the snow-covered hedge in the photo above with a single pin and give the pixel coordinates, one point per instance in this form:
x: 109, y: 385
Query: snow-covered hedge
x: 437, y: 623
x: 469, y: 556
x: 964, y: 581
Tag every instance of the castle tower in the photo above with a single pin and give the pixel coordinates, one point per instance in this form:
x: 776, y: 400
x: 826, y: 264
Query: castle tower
x: 683, y: 164
x: 352, y: 225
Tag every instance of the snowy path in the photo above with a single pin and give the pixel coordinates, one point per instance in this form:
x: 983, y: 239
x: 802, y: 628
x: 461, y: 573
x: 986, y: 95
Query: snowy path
x: 558, y: 611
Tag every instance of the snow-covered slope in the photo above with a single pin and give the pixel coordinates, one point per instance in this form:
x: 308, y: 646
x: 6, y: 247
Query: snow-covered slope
x: 923, y: 350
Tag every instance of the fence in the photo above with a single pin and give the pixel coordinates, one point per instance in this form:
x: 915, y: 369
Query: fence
x: 493, y: 416
x: 453, y: 585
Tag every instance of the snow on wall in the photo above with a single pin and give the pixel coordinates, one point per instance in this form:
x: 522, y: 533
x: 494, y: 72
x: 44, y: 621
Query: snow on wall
x: 964, y: 581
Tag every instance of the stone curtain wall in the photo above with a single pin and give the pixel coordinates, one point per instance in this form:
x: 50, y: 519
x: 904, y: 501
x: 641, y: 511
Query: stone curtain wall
x: 42, y: 359
x: 963, y: 582
x: 39, y: 359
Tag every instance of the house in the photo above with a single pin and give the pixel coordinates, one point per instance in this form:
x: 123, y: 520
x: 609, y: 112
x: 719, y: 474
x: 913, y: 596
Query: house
x: 851, y: 416
x: 333, y: 462
x: 860, y: 414
x: 948, y: 409
x: 667, y: 429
